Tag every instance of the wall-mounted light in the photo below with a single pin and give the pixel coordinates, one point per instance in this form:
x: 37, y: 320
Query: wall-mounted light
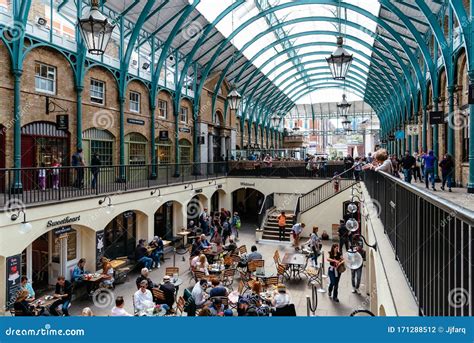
x: 145, y: 66
x: 159, y: 196
x: 25, y: 226
x: 190, y: 186
x: 110, y: 207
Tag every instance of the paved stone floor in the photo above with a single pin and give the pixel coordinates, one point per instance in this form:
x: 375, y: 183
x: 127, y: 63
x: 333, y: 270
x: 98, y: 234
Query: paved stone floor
x: 297, y: 289
x: 459, y: 196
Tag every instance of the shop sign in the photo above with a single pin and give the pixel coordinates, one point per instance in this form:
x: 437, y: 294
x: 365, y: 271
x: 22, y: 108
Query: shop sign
x: 185, y: 129
x: 67, y: 220
x: 247, y: 184
x: 13, y: 264
x: 62, y: 230
x: 99, y: 247
x: 163, y: 136
x: 436, y: 117
x: 135, y: 121
x: 128, y: 214
x: 62, y: 122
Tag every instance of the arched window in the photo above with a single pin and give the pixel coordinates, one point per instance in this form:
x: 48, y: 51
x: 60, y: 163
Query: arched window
x: 100, y: 142
x: 136, y: 147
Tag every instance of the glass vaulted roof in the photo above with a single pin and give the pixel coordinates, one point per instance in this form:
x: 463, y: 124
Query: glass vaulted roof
x: 295, y: 52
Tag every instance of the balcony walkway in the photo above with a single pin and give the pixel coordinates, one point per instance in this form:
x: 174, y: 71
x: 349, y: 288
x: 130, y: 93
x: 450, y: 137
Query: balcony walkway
x: 458, y: 196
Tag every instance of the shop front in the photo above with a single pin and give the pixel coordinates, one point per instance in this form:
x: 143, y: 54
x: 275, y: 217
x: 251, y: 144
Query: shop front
x: 164, y: 221
x: 119, y: 237
x: 41, y: 145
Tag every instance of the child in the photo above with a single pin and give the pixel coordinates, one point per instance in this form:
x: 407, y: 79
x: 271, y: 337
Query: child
x: 335, y: 181
x: 55, y: 173
x: 42, y: 177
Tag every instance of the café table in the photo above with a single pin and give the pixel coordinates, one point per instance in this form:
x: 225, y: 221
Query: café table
x: 184, y: 235
x: 177, y: 281
x: 295, y: 263
x: 118, y: 263
x: 216, y: 268
x: 43, y: 302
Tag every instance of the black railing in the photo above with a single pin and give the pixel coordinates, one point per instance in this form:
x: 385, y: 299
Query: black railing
x: 40, y: 185
x: 325, y: 191
x: 268, y: 203
x: 284, y: 169
x: 432, y: 240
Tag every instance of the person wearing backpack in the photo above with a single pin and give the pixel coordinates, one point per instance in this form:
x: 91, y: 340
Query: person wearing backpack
x: 235, y: 225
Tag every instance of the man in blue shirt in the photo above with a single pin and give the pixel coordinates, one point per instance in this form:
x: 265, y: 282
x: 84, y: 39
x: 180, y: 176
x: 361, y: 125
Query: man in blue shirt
x: 429, y: 172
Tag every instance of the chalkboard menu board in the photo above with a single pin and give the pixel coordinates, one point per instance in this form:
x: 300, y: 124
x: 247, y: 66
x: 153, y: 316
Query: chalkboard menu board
x: 99, y: 248
x: 13, y: 279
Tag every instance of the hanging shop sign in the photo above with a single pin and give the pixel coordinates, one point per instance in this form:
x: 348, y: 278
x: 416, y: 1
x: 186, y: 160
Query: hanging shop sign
x: 163, y: 135
x: 99, y: 247
x: 128, y: 214
x: 412, y: 130
x: 135, y: 121
x: 66, y: 220
x: 185, y: 129
x: 62, y: 122
x: 62, y: 230
x: 391, y: 138
x: 436, y: 117
x: 13, y: 264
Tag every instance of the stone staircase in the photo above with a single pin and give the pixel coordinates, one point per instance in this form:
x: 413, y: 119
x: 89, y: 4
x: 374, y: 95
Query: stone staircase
x: 270, y: 227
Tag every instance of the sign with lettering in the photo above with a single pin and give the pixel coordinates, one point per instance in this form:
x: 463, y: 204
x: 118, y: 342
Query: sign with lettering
x: 185, y: 129
x: 247, y: 184
x: 62, y: 122
x: 135, y: 121
x: 163, y: 136
x: 66, y: 220
x: 62, y: 230
x: 436, y: 117
x: 13, y: 265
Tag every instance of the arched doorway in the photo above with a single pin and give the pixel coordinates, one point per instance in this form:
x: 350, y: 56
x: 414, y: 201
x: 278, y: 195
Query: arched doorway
x: 247, y: 201
x: 215, y: 204
x: 120, y: 235
x: 167, y: 218
x: 41, y: 144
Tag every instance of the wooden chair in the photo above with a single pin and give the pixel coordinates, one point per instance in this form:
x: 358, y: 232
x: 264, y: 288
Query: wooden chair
x: 158, y: 295
x: 135, y: 310
x: 276, y: 257
x: 259, y: 263
x: 180, y: 305
x: 228, y: 278
x: 236, y: 259
x: 243, y: 249
x: 247, y: 282
x: 282, y: 272
x: 170, y: 271
x: 313, y: 275
x: 251, y: 267
x: 198, y: 275
x: 271, y: 281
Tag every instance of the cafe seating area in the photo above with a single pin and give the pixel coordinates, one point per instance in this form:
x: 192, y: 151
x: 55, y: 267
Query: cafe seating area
x: 280, y: 265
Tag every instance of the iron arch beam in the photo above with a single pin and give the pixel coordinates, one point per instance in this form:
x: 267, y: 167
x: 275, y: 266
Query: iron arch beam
x: 466, y: 27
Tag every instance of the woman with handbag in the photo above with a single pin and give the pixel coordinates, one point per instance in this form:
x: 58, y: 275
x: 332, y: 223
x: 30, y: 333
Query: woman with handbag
x: 336, y: 268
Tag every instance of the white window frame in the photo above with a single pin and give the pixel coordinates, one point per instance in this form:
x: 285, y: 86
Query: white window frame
x: 94, y: 99
x: 183, y: 112
x: 50, y: 69
x: 163, y: 109
x: 132, y: 93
